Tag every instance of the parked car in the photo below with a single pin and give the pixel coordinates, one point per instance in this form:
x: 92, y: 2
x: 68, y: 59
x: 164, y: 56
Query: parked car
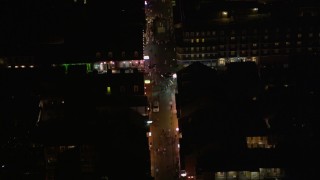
x: 155, y: 106
x: 167, y: 75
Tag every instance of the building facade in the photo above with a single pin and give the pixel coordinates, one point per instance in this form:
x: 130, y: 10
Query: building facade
x: 246, y: 31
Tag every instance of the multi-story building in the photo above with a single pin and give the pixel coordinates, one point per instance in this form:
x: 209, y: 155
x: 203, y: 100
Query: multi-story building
x: 216, y: 33
x: 223, y: 133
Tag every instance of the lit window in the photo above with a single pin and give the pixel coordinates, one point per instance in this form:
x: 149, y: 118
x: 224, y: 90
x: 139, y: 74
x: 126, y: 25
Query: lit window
x: 221, y: 62
x: 224, y: 13
x: 232, y: 38
x: 192, y: 49
x: 254, y: 59
x: 203, y: 55
x: 108, y: 90
x: 254, y: 45
x: 197, y: 40
x: 287, y: 43
x: 299, y: 35
x: 202, y: 40
x: 191, y: 40
x: 276, y: 44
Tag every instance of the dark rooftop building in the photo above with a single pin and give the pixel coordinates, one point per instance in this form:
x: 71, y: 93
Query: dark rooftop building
x: 104, y: 139
x: 73, y: 121
x: 72, y: 31
x: 248, y: 125
x: 189, y: 81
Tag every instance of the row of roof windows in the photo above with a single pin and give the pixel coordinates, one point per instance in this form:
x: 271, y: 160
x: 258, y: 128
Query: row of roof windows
x: 232, y: 46
x: 298, y: 35
x: 255, y: 52
x: 243, y: 32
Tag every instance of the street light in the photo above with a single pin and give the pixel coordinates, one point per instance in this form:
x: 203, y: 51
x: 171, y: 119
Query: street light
x: 174, y: 76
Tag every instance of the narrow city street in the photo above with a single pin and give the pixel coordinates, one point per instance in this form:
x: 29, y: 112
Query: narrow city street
x: 164, y: 132
x: 164, y: 139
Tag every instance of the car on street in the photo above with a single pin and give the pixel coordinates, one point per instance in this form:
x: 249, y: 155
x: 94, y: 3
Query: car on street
x: 167, y: 75
x: 155, y: 106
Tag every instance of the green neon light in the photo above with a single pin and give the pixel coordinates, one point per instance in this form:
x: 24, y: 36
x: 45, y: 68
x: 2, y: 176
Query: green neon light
x: 88, y: 66
x: 65, y: 67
